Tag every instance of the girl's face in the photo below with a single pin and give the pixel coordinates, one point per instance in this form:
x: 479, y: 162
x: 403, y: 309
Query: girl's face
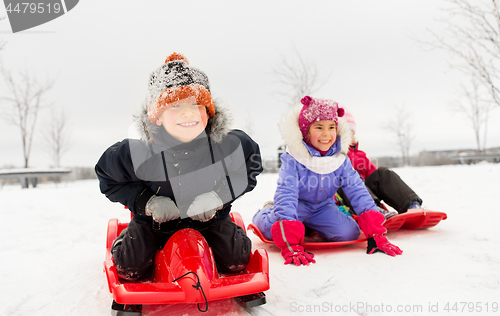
x: 184, y: 120
x: 322, y: 134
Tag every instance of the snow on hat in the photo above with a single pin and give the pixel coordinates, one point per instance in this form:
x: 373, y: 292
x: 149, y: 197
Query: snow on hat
x: 315, y: 110
x: 175, y: 81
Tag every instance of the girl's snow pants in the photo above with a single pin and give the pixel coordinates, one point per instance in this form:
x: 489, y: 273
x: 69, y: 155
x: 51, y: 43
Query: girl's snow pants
x: 324, y: 218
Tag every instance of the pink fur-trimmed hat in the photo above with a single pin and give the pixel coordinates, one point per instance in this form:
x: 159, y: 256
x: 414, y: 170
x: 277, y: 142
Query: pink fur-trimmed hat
x: 349, y: 119
x: 315, y: 110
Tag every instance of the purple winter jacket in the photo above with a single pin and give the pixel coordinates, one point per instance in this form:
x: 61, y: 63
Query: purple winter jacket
x: 306, y: 176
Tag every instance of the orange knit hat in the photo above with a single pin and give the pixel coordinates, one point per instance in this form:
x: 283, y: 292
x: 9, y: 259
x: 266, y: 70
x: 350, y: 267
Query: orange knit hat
x: 175, y: 81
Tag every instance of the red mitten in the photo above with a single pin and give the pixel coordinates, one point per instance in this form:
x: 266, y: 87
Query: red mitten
x: 288, y: 235
x: 370, y: 223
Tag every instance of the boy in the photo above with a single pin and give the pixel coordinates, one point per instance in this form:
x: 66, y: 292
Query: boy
x: 185, y: 171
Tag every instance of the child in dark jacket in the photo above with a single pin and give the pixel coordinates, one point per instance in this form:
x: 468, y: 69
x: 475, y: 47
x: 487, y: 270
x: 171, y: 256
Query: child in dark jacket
x: 314, y: 166
x: 382, y: 183
x: 184, y: 171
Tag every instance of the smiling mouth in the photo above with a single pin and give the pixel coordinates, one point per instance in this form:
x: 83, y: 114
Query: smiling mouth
x: 188, y: 124
x: 323, y: 141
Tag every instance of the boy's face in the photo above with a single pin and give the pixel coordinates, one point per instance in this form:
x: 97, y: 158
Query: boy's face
x: 322, y: 134
x: 184, y: 120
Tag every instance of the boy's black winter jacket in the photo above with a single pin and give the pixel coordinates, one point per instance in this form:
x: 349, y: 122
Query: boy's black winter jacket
x: 219, y: 160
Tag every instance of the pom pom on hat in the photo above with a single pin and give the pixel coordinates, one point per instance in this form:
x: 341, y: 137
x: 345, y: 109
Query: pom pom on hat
x: 176, y: 56
x: 306, y: 100
x: 174, y: 81
x: 315, y: 110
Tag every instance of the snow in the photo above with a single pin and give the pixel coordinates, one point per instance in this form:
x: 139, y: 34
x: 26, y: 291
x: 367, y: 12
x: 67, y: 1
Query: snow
x: 52, y: 246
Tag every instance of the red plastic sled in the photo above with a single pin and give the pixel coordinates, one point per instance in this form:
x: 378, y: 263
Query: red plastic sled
x: 185, y: 272
x: 413, y: 219
x: 310, y: 245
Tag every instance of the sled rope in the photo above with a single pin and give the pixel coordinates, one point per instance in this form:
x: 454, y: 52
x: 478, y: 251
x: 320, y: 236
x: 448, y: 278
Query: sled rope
x: 196, y: 286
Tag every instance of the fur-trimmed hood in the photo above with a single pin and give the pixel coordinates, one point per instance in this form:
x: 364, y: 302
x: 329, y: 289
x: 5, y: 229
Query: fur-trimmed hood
x: 143, y: 129
x: 292, y: 136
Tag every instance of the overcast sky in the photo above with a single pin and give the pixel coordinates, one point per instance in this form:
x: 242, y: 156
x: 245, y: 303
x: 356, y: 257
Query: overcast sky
x: 102, y: 52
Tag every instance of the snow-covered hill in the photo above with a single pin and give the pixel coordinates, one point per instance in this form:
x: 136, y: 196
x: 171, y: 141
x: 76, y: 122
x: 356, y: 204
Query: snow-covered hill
x: 52, y: 245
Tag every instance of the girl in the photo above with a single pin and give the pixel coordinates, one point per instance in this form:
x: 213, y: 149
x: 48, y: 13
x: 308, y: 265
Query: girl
x: 313, y: 168
x: 382, y: 183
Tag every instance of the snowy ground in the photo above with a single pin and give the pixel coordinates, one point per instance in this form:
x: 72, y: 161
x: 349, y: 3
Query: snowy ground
x: 52, y: 245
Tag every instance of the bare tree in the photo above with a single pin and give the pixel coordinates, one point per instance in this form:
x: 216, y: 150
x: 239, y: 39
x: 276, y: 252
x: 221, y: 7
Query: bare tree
x: 2, y: 42
x: 298, y: 78
x: 476, y: 110
x: 57, y: 136
x: 401, y: 128
x: 25, y: 98
x: 473, y: 36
